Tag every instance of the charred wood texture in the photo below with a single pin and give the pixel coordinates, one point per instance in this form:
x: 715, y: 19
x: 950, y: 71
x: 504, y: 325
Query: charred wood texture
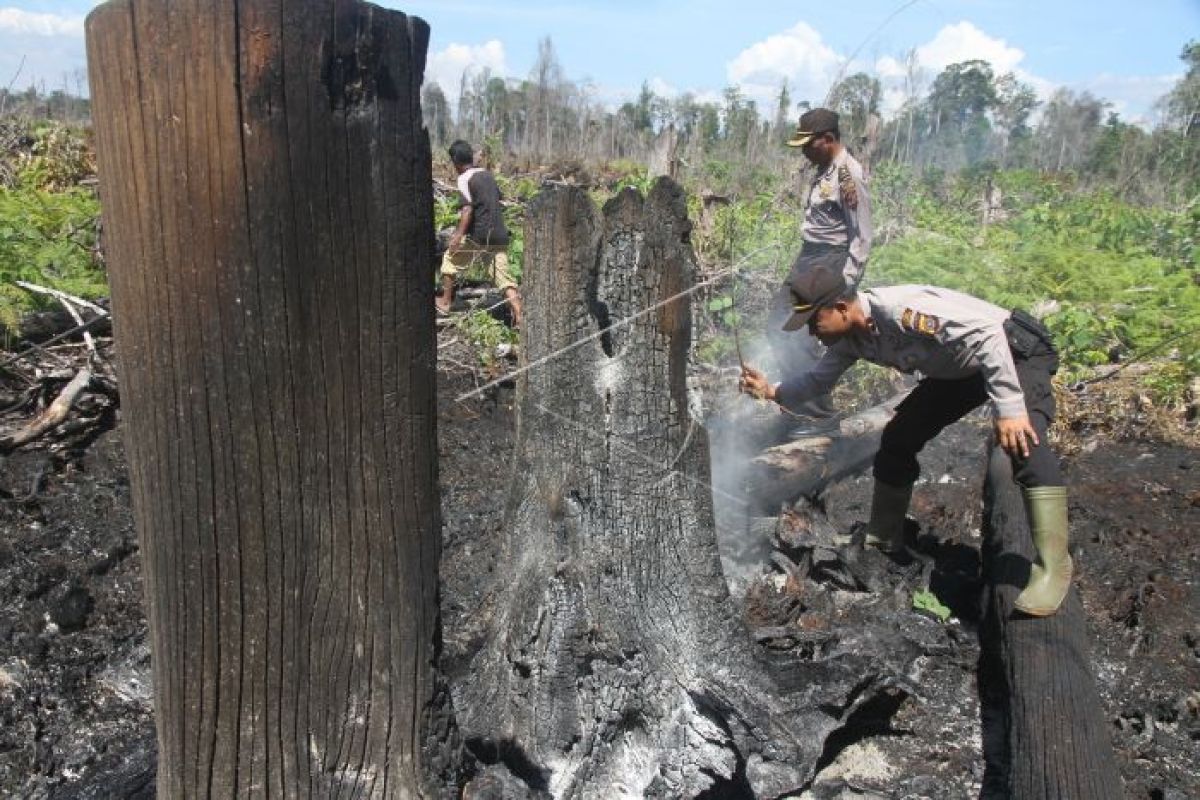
x: 265, y: 180
x: 613, y: 662
x: 1045, y: 735
x: 784, y: 472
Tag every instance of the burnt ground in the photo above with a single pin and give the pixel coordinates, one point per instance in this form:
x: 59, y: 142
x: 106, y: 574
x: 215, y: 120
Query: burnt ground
x: 75, y: 718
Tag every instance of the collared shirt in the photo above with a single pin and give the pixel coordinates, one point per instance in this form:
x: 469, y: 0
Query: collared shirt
x: 937, y: 332
x: 839, y: 212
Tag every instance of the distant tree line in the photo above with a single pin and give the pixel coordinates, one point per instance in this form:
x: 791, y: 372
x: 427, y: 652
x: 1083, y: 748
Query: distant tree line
x: 66, y: 104
x: 966, y: 117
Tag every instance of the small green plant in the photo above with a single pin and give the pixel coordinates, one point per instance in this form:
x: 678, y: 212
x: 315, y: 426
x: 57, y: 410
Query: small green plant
x: 925, y: 600
x: 722, y: 307
x: 485, y: 333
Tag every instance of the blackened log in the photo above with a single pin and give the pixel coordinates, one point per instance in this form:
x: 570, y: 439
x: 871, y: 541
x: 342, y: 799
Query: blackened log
x: 265, y: 183
x: 783, y: 473
x: 613, y: 661
x: 1045, y: 735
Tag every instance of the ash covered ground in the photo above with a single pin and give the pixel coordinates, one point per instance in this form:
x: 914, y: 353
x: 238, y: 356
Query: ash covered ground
x: 75, y: 693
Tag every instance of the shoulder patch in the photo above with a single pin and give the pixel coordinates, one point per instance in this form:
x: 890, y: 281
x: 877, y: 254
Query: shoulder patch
x: 849, y: 190
x: 916, y: 322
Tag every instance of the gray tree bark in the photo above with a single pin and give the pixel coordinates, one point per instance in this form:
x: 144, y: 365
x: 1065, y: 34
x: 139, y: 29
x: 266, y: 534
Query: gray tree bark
x: 613, y: 662
x: 268, y: 214
x: 1045, y: 735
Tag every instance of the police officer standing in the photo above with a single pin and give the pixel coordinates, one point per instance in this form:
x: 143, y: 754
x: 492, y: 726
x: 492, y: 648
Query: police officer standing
x: 968, y: 352
x: 836, y: 233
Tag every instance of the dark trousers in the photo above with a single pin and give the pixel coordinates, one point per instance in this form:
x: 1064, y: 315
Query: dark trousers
x: 934, y: 404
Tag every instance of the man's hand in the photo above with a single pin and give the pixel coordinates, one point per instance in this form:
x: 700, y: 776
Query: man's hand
x: 1015, y: 434
x: 755, y: 384
x: 455, y: 242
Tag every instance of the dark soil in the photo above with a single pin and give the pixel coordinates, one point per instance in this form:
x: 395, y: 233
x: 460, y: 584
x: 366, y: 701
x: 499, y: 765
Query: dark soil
x: 75, y: 714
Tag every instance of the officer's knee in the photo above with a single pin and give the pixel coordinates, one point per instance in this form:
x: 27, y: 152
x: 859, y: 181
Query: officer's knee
x: 895, y: 469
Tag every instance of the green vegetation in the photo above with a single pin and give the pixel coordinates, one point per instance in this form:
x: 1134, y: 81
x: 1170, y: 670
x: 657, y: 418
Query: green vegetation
x: 1092, y: 223
x: 925, y: 600
x: 485, y: 333
x: 48, y: 222
x: 1112, y: 280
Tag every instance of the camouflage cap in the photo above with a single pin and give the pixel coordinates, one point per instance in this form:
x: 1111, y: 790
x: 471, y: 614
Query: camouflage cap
x: 812, y: 123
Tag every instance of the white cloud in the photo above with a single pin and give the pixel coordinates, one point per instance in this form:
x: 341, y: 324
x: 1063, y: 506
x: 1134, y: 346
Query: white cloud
x: 955, y: 43
x: 29, y: 23
x: 964, y: 42
x: 661, y: 88
x: 1132, y: 96
x: 798, y: 55
x: 446, y: 67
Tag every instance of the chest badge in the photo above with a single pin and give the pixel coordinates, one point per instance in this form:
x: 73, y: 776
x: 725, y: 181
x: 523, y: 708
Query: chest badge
x: 916, y: 322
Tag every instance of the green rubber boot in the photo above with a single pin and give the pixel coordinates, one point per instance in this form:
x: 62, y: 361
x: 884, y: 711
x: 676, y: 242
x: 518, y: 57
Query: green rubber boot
x: 1050, y: 577
x: 889, y: 504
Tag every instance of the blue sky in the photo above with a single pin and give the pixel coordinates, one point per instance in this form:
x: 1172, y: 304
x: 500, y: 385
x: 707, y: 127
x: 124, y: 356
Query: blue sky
x: 1125, y: 52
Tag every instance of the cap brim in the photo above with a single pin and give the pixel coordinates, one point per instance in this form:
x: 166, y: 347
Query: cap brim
x: 800, y: 140
x: 798, y: 320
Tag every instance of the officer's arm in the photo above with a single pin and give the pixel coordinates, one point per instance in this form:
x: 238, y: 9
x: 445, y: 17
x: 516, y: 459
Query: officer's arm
x: 818, y: 381
x: 986, y: 339
x: 858, y: 229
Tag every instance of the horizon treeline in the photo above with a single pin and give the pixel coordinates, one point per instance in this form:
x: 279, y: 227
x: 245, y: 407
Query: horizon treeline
x: 966, y: 117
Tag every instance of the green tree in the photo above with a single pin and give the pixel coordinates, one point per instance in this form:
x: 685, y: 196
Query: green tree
x: 781, y: 127
x: 1183, y: 102
x: 436, y: 113
x: 959, y: 102
x: 856, y: 99
x: 1068, y: 128
x: 1015, y: 102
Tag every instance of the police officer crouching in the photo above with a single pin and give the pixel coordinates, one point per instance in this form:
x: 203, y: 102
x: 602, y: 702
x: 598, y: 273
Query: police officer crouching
x: 968, y: 351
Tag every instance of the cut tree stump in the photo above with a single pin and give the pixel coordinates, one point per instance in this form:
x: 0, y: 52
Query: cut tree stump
x: 266, y: 189
x: 613, y: 662
x: 1045, y: 735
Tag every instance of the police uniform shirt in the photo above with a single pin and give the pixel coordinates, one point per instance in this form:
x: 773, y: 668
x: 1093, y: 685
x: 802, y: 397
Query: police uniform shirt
x: 839, y: 212
x: 937, y: 332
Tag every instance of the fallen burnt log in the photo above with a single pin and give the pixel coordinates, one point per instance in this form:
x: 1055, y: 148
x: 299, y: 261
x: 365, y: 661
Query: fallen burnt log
x: 612, y: 660
x: 1043, y: 724
x: 784, y: 472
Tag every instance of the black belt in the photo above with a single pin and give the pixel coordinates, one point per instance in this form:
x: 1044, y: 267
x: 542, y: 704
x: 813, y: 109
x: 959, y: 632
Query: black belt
x: 821, y: 248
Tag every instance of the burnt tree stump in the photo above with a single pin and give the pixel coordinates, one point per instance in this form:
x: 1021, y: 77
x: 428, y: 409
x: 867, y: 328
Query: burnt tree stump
x: 266, y: 185
x: 613, y: 662
x: 1045, y: 736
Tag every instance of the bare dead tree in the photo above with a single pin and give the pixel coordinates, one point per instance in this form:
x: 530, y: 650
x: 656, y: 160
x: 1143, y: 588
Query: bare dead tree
x: 265, y: 180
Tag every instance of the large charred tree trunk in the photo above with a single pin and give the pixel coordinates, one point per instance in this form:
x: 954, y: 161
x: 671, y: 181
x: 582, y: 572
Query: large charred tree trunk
x: 616, y: 663
x: 1044, y: 731
x: 266, y: 189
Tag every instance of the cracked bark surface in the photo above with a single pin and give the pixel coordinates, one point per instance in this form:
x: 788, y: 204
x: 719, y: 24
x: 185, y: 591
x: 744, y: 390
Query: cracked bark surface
x: 616, y: 663
x: 266, y: 186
